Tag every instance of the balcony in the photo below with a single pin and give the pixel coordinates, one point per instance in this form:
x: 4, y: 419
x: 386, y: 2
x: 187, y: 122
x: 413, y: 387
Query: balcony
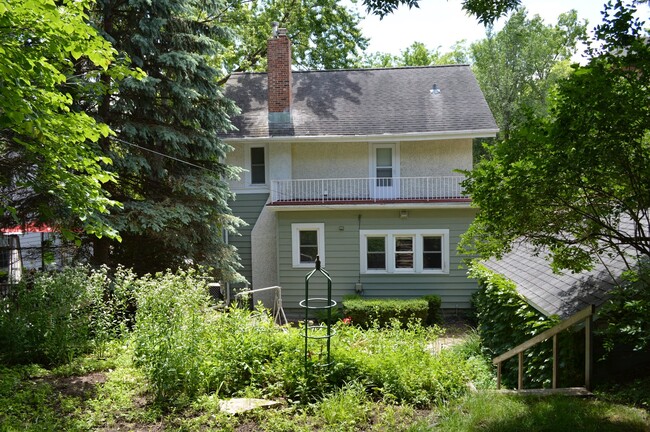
x: 367, y: 190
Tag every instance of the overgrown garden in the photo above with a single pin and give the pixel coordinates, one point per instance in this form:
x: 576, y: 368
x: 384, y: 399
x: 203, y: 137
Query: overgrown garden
x: 90, y: 350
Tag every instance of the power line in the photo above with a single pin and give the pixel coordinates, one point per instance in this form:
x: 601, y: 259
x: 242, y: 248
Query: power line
x: 326, y: 206
x: 164, y: 155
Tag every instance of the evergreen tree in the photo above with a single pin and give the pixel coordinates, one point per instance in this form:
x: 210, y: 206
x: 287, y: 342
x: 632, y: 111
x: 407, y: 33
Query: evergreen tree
x: 167, y: 152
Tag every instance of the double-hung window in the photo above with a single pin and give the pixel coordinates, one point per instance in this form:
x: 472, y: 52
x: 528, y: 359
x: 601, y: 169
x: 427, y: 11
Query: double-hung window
x: 307, y: 242
x: 256, y: 165
x: 376, y: 252
x: 404, y: 251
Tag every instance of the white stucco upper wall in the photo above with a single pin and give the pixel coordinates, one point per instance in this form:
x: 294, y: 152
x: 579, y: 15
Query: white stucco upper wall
x: 316, y: 160
x: 329, y: 160
x: 351, y: 159
x: 236, y: 158
x: 435, y: 158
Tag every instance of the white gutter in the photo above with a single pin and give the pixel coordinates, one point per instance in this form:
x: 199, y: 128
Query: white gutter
x: 377, y: 206
x: 415, y: 136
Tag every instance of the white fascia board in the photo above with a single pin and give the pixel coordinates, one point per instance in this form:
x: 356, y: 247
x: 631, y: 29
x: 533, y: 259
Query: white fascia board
x: 416, y: 136
x: 392, y: 206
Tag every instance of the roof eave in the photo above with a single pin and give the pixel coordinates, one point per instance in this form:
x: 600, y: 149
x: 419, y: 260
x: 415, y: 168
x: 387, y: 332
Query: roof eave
x: 413, y: 136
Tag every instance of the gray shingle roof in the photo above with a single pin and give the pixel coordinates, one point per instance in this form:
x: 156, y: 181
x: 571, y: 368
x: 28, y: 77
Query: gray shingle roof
x: 366, y: 102
x: 557, y: 294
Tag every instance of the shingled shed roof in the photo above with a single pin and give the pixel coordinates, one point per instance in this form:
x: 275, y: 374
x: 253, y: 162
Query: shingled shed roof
x: 557, y: 294
x: 366, y: 102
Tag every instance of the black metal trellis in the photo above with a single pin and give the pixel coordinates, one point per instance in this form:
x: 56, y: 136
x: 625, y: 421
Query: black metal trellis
x: 318, y: 303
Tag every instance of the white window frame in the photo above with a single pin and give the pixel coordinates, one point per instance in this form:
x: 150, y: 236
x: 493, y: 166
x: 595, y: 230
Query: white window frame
x: 418, y: 246
x: 364, y: 252
x: 372, y: 167
x: 248, y: 164
x: 391, y: 191
x: 295, y: 243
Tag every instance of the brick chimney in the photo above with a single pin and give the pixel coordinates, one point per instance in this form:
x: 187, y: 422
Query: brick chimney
x: 279, y: 76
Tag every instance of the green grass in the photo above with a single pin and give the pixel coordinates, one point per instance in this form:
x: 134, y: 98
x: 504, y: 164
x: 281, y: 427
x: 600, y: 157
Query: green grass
x: 34, y: 399
x: 492, y: 412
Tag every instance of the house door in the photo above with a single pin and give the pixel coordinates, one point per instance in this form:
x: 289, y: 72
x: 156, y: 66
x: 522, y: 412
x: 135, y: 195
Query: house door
x: 385, y: 171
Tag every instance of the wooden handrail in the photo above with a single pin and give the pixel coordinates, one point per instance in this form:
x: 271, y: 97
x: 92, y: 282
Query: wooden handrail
x: 584, y: 315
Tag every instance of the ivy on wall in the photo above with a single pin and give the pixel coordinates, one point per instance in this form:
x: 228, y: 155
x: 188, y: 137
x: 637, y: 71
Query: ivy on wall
x: 506, y: 320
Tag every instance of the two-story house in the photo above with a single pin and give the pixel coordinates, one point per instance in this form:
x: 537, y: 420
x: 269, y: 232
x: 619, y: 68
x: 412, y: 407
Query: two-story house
x: 358, y: 167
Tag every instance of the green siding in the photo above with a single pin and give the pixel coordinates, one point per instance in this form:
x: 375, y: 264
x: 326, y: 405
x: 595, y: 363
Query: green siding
x: 247, y: 207
x: 342, y: 258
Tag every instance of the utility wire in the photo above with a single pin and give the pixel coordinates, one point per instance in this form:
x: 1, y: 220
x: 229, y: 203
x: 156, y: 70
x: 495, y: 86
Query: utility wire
x: 324, y: 206
x: 164, y: 155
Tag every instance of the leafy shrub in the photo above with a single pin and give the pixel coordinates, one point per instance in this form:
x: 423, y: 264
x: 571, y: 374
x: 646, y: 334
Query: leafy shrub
x: 434, y: 315
x: 627, y: 312
x: 53, y: 316
x: 505, y: 320
x: 185, y: 347
x: 365, y: 312
x: 394, y: 364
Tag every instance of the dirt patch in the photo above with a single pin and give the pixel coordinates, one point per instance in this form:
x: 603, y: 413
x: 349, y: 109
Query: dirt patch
x: 456, y: 326
x: 134, y: 427
x: 83, y: 387
x: 248, y: 427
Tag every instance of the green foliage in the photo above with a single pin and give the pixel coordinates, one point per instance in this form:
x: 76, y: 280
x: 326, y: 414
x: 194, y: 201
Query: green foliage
x: 417, y: 54
x: 366, y: 312
x: 50, y: 167
x: 53, y: 317
x: 505, y: 320
x: 186, y: 348
x: 32, y: 399
x: 575, y: 184
x: 496, y: 412
x: 517, y: 66
x: 486, y: 11
x: 627, y: 312
x: 168, y: 154
x: 635, y: 393
x: 394, y: 364
x: 29, y: 408
x: 325, y: 34
x: 434, y: 314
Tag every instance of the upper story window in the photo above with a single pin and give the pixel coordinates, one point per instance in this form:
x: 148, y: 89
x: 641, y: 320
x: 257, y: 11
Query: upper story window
x: 307, y: 242
x: 257, y: 168
x: 404, y: 251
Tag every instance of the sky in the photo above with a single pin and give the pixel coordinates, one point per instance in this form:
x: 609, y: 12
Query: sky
x: 441, y: 23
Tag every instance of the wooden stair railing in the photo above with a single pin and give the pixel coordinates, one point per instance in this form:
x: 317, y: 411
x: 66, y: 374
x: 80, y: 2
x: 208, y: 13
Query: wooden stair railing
x: 585, y: 315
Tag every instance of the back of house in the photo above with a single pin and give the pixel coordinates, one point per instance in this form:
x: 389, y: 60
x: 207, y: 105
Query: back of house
x: 358, y: 167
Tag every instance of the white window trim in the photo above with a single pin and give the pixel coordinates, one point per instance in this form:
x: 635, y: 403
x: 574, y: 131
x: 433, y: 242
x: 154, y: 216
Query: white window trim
x: 418, y: 264
x: 364, y: 251
x: 372, y: 160
x: 248, y: 162
x: 295, y: 243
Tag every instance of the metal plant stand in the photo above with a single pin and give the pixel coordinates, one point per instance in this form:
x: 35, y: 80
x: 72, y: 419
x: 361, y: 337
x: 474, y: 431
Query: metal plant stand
x: 318, y: 303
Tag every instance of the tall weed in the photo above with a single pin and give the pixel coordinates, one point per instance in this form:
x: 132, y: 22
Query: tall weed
x: 51, y: 317
x: 187, y: 348
x: 170, y: 331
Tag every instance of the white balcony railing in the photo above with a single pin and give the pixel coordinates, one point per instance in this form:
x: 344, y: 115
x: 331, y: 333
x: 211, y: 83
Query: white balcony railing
x: 373, y: 189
